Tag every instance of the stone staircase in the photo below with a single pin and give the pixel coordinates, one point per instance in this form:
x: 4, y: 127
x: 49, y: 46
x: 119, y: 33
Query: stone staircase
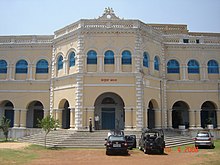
x: 96, y: 139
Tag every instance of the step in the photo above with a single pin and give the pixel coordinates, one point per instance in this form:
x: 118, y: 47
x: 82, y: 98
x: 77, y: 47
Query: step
x: 85, y: 139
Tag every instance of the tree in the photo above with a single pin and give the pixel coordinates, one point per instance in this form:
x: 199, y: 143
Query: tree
x: 48, y: 124
x: 4, y: 125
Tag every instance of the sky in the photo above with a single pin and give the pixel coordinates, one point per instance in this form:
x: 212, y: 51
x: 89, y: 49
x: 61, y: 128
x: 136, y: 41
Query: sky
x: 43, y: 17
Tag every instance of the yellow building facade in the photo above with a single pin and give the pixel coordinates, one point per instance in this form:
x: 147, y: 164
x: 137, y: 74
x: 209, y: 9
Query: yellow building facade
x: 128, y: 73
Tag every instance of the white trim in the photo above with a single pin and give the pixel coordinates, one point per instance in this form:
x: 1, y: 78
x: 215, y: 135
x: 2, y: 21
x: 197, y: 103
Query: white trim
x: 64, y: 87
x: 24, y: 91
x: 192, y: 91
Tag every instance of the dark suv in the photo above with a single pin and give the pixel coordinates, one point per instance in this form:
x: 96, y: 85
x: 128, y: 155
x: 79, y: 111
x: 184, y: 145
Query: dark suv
x: 152, y: 139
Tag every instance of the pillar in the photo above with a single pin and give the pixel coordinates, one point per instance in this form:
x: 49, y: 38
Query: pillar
x: 23, y: 116
x: 146, y: 117
x: 59, y: 116
x: 203, y: 72
x: 184, y: 72
x: 151, y: 67
x: 72, y: 118
x: 157, y: 118
x: 65, y: 66
x: 100, y: 63
x: 129, y: 118
x: 117, y: 63
x: 169, y: 118
x: 218, y: 118
x: 30, y: 72
x: 192, y: 120
x: 198, y: 119
x: 16, y: 118
x: 12, y: 72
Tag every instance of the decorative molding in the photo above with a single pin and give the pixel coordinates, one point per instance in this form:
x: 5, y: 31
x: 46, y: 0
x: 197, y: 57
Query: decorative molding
x: 192, y: 91
x: 24, y: 91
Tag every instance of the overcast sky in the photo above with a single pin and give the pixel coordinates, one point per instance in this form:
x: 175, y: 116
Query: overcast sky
x: 24, y: 17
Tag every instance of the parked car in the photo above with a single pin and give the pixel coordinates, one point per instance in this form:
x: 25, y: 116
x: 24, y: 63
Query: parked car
x: 116, y: 144
x: 204, y: 138
x: 131, y: 141
x: 152, y: 140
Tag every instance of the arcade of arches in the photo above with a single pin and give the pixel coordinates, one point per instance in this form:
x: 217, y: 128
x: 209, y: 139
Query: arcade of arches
x: 112, y: 114
x: 25, y: 118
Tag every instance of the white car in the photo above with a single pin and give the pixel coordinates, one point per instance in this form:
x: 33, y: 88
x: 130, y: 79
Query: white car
x: 204, y: 138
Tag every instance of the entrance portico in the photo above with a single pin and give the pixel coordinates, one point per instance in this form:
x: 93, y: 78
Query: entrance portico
x: 110, y: 109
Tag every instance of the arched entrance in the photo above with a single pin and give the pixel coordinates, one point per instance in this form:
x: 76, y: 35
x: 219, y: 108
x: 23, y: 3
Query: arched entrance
x: 110, y: 108
x: 7, y: 110
x: 34, y: 114
x: 180, y: 114
x: 66, y: 116
x: 151, y: 115
x: 208, y: 114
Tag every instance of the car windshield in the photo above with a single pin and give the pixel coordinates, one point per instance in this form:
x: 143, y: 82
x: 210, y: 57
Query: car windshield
x: 116, y: 138
x: 203, y: 135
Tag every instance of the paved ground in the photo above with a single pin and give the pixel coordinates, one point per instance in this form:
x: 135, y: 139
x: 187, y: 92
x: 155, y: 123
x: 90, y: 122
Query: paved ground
x: 98, y: 157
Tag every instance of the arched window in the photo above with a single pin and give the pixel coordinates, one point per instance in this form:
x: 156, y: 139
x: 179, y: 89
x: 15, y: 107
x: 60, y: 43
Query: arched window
x: 109, y: 57
x: 60, y: 63
x: 92, y: 57
x: 193, y: 66
x: 71, y: 59
x: 156, y: 63
x: 21, y: 66
x: 173, y: 66
x: 213, y: 67
x: 42, y: 66
x: 3, y: 66
x: 146, y: 59
x: 126, y: 57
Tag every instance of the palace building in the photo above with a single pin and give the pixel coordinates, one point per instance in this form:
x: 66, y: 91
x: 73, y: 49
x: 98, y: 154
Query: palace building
x: 129, y: 73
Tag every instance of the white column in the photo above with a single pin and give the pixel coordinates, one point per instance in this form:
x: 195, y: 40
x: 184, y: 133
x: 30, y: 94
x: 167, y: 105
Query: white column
x: 117, y: 63
x: 65, y: 66
x: 30, y: 72
x: 204, y: 72
x: 17, y: 114
x: 157, y: 118
x: 72, y: 118
x: 198, y: 119
x: 100, y: 63
x: 184, y: 72
x: 23, y: 118
x: 192, y: 119
x: 12, y: 72
x: 58, y: 116
x: 169, y: 118
x: 218, y: 118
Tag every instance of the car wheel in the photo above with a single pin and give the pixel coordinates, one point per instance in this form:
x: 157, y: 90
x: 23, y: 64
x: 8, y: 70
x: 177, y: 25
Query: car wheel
x: 146, y: 151
x: 212, y: 146
x: 162, y: 151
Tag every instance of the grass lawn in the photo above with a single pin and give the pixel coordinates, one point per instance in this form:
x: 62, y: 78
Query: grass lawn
x: 18, y: 156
